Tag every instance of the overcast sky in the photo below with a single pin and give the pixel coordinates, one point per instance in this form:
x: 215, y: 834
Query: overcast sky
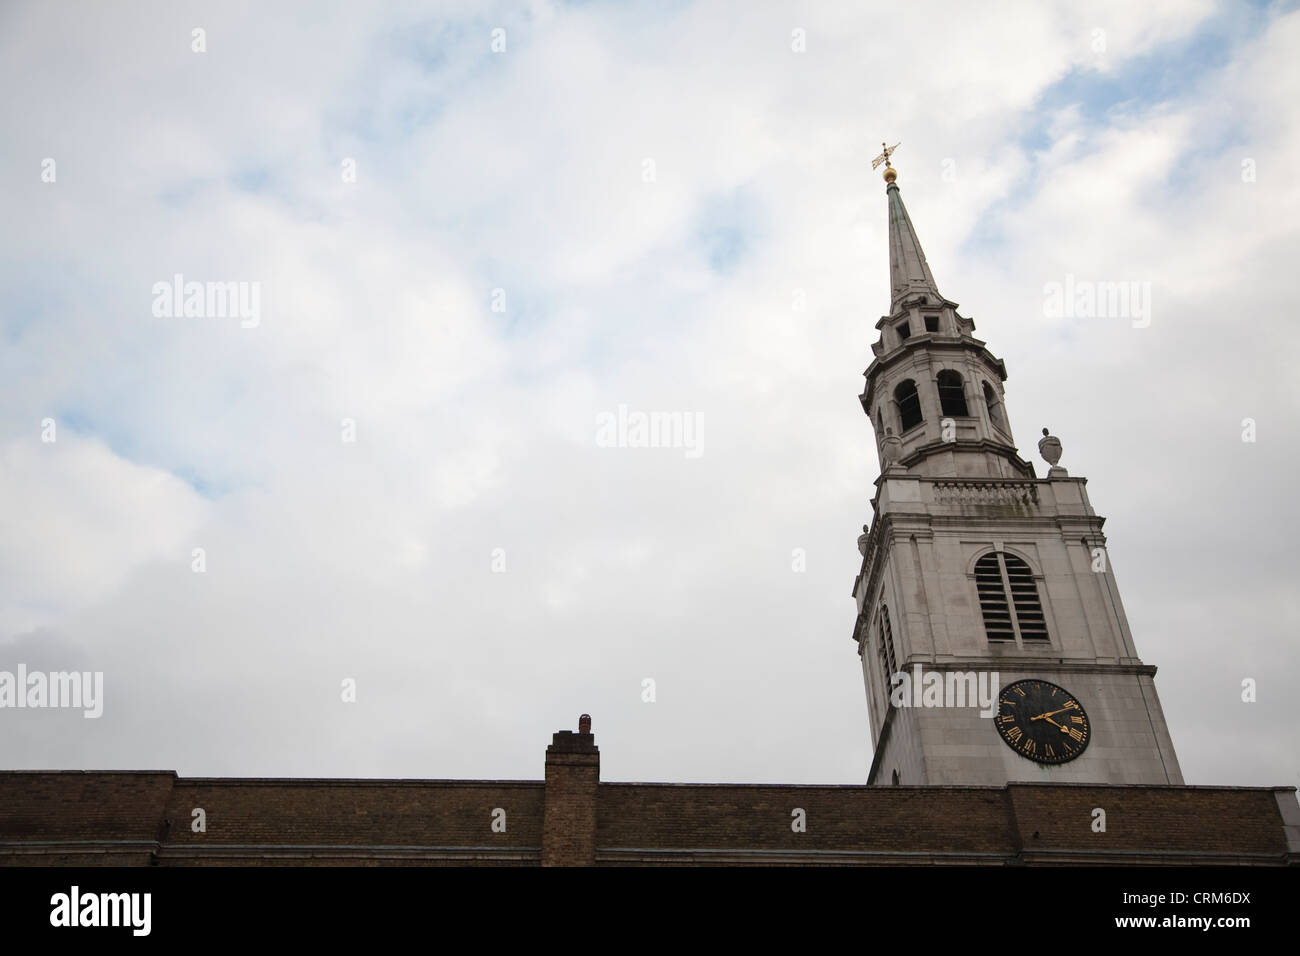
x: 646, y: 193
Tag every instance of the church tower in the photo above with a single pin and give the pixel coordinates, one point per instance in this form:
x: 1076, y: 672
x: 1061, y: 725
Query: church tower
x: 977, y: 575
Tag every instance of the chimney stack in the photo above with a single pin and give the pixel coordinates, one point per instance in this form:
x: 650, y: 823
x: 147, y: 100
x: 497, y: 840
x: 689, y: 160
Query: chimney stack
x: 569, y: 811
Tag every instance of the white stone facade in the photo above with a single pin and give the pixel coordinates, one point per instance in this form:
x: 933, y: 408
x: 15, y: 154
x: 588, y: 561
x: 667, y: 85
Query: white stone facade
x: 920, y: 567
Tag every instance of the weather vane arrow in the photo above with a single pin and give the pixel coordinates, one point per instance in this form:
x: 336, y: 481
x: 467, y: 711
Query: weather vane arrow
x: 884, y: 157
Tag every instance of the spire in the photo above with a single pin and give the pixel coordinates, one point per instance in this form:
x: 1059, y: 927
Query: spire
x: 909, y: 275
x: 933, y: 391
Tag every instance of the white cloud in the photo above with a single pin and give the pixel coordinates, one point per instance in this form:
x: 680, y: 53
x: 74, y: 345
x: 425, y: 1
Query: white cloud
x: 79, y: 522
x: 475, y: 429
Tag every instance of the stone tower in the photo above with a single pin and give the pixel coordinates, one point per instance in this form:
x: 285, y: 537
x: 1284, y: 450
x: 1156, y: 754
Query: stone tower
x: 978, y: 574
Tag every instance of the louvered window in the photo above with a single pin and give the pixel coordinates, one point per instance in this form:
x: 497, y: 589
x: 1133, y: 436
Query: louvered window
x: 888, y: 663
x: 1009, y: 599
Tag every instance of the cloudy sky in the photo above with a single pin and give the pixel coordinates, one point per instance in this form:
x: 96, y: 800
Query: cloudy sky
x: 473, y: 253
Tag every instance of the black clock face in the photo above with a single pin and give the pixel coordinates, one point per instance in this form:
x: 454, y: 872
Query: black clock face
x: 1041, y: 721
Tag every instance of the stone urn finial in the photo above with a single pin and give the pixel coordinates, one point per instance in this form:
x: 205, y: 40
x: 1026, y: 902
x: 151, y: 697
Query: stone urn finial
x: 1049, y: 446
x: 862, y: 541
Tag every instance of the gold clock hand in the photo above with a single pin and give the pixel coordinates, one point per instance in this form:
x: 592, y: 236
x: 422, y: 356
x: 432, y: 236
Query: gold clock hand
x: 1051, y: 712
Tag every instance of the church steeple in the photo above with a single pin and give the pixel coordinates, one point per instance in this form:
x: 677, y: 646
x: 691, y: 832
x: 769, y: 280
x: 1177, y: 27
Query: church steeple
x: 934, y: 391
x: 976, y: 569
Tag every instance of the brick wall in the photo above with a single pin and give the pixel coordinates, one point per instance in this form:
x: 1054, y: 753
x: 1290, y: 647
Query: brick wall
x: 351, y: 821
x: 571, y: 818
x: 866, y: 824
x: 1179, y: 824
x: 81, y: 818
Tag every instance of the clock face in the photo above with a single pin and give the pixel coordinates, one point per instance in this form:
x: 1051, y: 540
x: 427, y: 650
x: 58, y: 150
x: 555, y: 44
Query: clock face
x: 1041, y: 721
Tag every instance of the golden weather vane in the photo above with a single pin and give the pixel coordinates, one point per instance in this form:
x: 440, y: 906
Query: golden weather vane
x: 890, y: 173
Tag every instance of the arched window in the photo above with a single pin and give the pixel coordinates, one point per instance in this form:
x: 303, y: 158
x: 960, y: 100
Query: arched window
x: 895, y: 777
x: 996, y: 415
x: 1009, y: 599
x: 888, y: 663
x: 952, y: 397
x: 909, y: 404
